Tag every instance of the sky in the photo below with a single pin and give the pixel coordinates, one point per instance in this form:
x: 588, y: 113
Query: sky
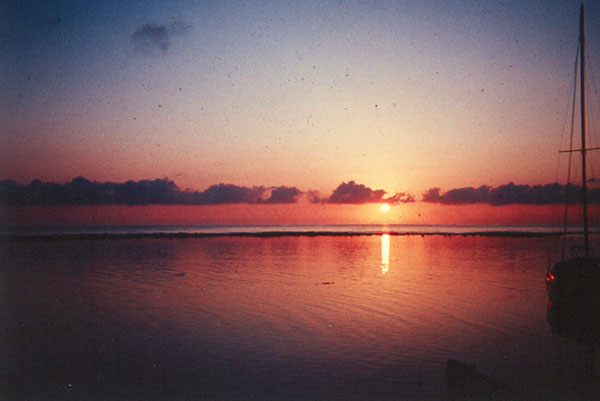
x: 399, y: 96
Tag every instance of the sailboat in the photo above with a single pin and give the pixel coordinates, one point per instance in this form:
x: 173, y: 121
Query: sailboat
x: 573, y: 283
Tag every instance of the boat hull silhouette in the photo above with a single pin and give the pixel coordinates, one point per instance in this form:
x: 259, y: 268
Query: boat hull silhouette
x: 574, y: 298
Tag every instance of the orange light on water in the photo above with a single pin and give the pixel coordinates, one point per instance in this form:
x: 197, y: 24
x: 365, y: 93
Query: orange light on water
x: 385, y: 253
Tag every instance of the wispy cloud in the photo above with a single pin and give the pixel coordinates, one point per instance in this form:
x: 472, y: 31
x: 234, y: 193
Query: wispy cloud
x: 400, y: 197
x: 152, y: 37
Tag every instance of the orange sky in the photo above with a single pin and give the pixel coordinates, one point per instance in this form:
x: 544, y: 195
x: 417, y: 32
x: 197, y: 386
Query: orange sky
x: 399, y: 96
x: 301, y: 213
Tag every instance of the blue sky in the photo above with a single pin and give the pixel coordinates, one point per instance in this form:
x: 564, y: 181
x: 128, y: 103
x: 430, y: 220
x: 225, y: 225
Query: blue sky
x: 397, y: 95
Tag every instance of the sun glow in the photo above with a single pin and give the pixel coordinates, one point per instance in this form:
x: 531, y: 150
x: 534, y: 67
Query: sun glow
x: 385, y: 207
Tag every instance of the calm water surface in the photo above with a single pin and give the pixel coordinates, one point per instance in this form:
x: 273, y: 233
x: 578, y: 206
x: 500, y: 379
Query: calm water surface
x: 307, y: 318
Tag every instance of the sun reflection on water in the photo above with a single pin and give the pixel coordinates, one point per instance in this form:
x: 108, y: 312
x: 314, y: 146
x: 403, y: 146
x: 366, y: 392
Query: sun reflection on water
x: 385, y: 253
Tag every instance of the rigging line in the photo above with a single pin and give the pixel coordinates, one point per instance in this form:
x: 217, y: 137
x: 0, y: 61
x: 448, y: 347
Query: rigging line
x: 566, y: 113
x: 571, y: 140
x: 593, y: 78
x: 578, y: 150
x: 592, y: 127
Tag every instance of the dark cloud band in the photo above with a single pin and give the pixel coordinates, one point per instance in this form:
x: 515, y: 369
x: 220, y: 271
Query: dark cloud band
x: 512, y: 194
x: 81, y: 191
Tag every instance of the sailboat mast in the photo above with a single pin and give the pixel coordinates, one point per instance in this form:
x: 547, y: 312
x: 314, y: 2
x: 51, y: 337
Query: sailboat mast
x: 583, y: 149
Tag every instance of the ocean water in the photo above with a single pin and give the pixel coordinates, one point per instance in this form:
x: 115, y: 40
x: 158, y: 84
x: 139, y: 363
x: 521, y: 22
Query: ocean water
x: 332, y: 317
x: 337, y: 229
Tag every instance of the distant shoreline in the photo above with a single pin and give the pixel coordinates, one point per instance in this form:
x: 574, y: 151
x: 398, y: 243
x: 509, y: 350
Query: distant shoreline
x: 268, y: 234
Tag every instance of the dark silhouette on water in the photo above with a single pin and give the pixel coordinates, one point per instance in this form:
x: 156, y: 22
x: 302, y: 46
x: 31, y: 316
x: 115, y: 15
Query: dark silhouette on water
x: 466, y: 383
x: 573, y: 283
x: 574, y: 299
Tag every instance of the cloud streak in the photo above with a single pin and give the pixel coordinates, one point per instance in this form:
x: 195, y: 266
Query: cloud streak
x: 512, y: 194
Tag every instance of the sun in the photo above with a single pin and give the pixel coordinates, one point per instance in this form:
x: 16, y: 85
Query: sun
x: 385, y: 207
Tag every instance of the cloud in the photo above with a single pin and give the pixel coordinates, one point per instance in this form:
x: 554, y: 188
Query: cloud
x: 512, y: 194
x: 228, y: 193
x: 315, y: 196
x: 458, y: 195
x: 81, y: 191
x: 400, y: 197
x: 159, y: 191
x: 352, y: 192
x: 178, y: 28
x: 150, y: 37
x: 284, y: 194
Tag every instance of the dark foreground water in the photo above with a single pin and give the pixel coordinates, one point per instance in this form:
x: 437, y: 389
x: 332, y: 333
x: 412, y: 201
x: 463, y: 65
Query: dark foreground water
x: 280, y: 318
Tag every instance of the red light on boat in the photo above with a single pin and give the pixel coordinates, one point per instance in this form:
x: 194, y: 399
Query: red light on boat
x: 550, y: 277
x: 549, y: 304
